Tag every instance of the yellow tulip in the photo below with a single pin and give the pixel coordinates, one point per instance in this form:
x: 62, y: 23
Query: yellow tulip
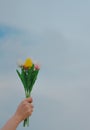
x: 28, y: 63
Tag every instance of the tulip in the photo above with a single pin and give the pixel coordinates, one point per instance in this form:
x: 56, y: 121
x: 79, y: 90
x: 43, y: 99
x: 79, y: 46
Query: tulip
x: 28, y: 63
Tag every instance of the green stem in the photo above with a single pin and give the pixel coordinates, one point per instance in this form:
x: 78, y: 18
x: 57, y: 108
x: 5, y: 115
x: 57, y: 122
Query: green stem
x: 26, y: 121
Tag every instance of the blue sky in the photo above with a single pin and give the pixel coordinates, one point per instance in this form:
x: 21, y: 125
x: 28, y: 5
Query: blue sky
x: 56, y: 34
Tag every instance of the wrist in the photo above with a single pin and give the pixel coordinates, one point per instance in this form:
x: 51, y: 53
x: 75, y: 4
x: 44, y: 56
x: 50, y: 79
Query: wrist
x: 16, y: 119
x: 12, y: 123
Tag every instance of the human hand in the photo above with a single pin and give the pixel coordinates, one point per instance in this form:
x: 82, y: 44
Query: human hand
x: 24, y: 109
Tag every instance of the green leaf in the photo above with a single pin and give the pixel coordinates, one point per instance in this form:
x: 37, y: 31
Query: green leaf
x: 22, y: 79
x: 33, y: 79
x: 18, y: 74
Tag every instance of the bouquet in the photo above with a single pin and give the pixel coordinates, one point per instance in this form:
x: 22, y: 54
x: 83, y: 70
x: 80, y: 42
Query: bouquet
x: 28, y: 76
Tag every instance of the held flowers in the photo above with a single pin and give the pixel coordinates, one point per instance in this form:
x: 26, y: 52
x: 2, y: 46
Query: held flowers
x: 28, y: 76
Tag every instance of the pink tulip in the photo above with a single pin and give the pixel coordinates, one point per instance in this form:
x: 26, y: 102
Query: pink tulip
x: 37, y: 67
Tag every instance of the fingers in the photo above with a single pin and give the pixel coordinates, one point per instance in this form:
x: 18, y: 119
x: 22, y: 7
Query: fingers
x: 31, y: 106
x: 28, y: 109
x: 28, y: 102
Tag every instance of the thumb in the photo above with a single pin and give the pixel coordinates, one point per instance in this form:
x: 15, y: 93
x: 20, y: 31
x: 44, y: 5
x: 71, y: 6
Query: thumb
x: 29, y: 99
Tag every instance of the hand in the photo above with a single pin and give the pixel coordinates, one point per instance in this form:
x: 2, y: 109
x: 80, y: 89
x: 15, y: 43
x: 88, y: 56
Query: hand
x: 24, y: 109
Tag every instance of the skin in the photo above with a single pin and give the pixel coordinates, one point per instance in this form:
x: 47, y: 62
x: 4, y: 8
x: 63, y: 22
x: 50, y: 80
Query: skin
x: 23, y: 111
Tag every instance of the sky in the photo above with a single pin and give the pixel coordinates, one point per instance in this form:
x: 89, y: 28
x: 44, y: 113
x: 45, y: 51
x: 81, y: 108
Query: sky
x: 55, y: 34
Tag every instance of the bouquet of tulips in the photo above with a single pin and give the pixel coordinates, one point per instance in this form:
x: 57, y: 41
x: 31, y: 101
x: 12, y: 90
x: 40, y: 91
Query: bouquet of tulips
x: 28, y: 76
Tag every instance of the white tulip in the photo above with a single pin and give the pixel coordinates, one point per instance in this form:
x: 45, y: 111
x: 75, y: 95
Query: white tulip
x: 20, y: 63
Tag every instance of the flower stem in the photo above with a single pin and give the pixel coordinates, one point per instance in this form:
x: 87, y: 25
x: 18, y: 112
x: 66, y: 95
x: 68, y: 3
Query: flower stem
x: 26, y: 121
